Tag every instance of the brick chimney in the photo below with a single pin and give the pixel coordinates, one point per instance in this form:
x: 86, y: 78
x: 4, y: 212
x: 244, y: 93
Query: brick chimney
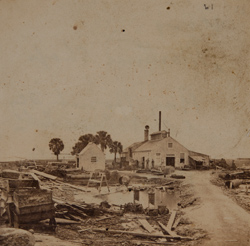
x: 146, y: 131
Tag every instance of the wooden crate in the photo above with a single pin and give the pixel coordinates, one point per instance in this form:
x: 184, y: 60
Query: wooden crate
x: 32, y: 217
x: 14, y: 184
x: 32, y: 198
x: 10, y: 174
x: 34, y: 209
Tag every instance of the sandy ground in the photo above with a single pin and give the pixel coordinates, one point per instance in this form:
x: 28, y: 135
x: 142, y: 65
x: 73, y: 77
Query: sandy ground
x: 48, y: 240
x: 225, y: 221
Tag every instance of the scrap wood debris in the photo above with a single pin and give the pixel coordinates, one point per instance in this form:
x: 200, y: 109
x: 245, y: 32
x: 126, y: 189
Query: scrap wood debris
x: 235, y: 185
x: 132, y: 221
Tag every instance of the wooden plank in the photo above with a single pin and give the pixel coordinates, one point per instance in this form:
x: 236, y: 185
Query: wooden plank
x: 32, y: 217
x: 22, y: 183
x: 85, y: 230
x: 34, y: 209
x: 172, y: 233
x: 73, y: 186
x: 48, y: 176
x: 123, y: 242
x: 151, y: 242
x: 167, y: 230
x: 64, y: 221
x: 144, y: 235
x: 110, y: 217
x: 35, y: 177
x: 171, y: 220
x: 176, y: 223
x: 95, y: 181
x: 32, y: 198
x: 146, y: 225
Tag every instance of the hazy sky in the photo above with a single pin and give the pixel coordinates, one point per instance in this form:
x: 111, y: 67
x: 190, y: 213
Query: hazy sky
x: 74, y: 67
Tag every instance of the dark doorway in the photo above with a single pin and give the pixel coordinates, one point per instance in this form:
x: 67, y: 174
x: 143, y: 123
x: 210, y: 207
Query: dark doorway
x: 77, y: 162
x: 143, y: 162
x: 170, y: 161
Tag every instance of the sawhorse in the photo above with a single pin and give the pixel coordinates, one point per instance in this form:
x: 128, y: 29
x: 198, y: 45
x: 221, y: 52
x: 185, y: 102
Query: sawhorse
x: 103, y: 179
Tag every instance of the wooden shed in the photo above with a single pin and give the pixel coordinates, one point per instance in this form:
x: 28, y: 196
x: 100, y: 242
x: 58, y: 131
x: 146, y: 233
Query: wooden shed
x: 91, y: 158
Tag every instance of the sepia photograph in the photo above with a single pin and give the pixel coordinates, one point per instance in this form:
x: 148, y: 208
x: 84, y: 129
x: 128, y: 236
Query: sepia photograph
x: 124, y: 122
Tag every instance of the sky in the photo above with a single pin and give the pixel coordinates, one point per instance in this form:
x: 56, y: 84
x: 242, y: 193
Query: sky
x: 70, y: 68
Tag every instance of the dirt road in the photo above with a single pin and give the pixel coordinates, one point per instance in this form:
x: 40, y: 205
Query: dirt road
x: 226, y: 222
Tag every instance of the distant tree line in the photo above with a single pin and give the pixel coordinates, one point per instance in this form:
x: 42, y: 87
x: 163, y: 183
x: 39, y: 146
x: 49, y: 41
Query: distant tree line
x: 101, y: 138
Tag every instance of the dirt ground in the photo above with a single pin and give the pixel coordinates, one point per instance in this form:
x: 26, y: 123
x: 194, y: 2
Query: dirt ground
x: 224, y: 220
x: 207, y: 214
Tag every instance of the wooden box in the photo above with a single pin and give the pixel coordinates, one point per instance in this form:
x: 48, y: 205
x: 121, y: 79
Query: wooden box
x: 33, y: 197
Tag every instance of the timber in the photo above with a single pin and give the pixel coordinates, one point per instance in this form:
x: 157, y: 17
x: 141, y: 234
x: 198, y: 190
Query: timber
x: 73, y: 186
x: 176, y: 223
x: 144, y: 235
x: 171, y: 220
x: 146, y: 225
x: 45, y: 175
x: 167, y: 230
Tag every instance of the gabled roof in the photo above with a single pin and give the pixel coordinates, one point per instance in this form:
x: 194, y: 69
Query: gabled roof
x: 197, y: 158
x: 193, y: 153
x: 88, y: 147
x: 134, y: 146
x: 147, y: 146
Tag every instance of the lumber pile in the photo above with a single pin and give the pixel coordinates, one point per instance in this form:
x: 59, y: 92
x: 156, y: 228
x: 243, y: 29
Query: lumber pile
x: 79, y: 212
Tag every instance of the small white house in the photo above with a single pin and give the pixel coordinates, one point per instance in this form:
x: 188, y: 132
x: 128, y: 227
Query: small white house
x: 91, y: 158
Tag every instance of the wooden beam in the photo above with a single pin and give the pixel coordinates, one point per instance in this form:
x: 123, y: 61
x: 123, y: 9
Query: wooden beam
x: 146, y: 225
x: 110, y: 217
x: 171, y: 220
x: 35, y: 177
x: 176, y: 223
x: 144, y: 235
x: 137, y: 242
x: 65, y: 221
x: 48, y: 176
x: 167, y: 230
x: 154, y: 243
x: 72, y: 186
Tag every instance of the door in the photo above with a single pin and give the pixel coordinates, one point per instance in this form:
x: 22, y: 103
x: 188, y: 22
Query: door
x: 143, y: 162
x: 77, y: 162
x: 170, y: 161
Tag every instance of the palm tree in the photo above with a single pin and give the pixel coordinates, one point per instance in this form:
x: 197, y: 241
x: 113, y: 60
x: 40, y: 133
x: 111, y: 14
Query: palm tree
x: 56, y: 145
x: 116, y: 147
x: 104, y: 139
x: 87, y: 138
x: 83, y: 141
x: 120, y: 149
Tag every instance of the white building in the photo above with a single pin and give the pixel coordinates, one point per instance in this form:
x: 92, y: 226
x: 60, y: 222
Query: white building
x: 163, y: 150
x: 91, y: 158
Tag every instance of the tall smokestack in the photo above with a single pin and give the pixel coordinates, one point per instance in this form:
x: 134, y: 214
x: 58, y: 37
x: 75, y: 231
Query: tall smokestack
x: 159, y: 120
x: 146, y: 133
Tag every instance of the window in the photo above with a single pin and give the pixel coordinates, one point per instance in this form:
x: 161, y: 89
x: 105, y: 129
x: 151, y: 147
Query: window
x: 158, y: 154
x: 93, y: 159
x: 170, y: 145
